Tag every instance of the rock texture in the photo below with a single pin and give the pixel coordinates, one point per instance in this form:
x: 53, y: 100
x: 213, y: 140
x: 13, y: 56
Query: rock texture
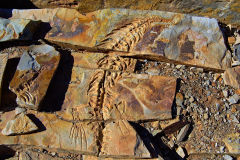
x: 232, y: 77
x: 34, y: 73
x: 138, y: 96
x: 153, y: 34
x: 56, y: 133
x: 3, y: 63
x: 224, y: 10
x: 119, y: 138
x: 17, y: 29
x: 21, y: 124
x: 113, y: 91
x: 232, y: 142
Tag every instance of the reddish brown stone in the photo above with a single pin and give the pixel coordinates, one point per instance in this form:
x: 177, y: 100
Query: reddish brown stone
x: 232, y: 77
x: 34, y: 73
x: 138, y: 96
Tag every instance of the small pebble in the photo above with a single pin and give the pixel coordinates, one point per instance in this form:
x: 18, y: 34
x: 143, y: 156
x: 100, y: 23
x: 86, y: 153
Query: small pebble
x: 227, y: 157
x: 233, y: 99
x: 205, y: 116
x: 191, y: 99
x: 225, y: 93
x: 222, y: 148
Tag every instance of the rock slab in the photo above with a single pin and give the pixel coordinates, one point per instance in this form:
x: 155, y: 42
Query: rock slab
x: 21, y: 124
x: 119, y: 138
x: 155, y: 35
x: 34, y: 73
x: 17, y: 29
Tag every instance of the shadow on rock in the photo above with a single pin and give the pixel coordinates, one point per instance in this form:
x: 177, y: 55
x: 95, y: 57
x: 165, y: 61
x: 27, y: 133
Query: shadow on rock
x: 57, y: 89
x: 6, y: 152
x: 8, y: 99
x: 154, y: 144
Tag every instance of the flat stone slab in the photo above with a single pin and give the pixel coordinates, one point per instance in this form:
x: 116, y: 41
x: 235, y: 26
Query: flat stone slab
x: 83, y: 97
x: 21, y: 124
x: 3, y: 63
x: 120, y: 139
x: 156, y: 35
x: 138, y: 96
x: 56, y: 133
x: 17, y: 29
x: 33, y: 75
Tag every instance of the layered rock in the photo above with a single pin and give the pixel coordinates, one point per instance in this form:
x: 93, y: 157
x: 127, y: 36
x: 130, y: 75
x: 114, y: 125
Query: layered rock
x: 34, y: 73
x: 21, y: 124
x: 3, y: 63
x: 17, y: 29
x: 148, y: 34
x: 120, y: 139
x: 156, y: 35
x: 226, y: 11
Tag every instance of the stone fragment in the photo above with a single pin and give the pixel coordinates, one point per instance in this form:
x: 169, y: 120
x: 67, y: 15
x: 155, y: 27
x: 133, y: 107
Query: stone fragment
x: 232, y: 142
x: 3, y: 63
x: 225, y: 93
x: 57, y: 134
x: 205, y: 116
x: 21, y: 124
x: 17, y: 29
x: 232, y: 77
x: 156, y: 35
x: 138, y: 96
x: 179, y: 99
x: 225, y: 11
x: 227, y: 157
x: 191, y: 99
x: 233, y: 99
x: 120, y: 139
x: 180, y: 152
x: 19, y: 110
x: 183, y: 132
x: 34, y: 73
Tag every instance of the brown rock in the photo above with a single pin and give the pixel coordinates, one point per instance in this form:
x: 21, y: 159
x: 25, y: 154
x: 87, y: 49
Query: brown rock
x: 83, y: 97
x: 232, y: 77
x: 120, y: 139
x: 17, y: 29
x: 153, y: 34
x: 138, y: 96
x: 34, y: 73
x: 59, y: 134
x: 21, y: 124
x: 3, y: 62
